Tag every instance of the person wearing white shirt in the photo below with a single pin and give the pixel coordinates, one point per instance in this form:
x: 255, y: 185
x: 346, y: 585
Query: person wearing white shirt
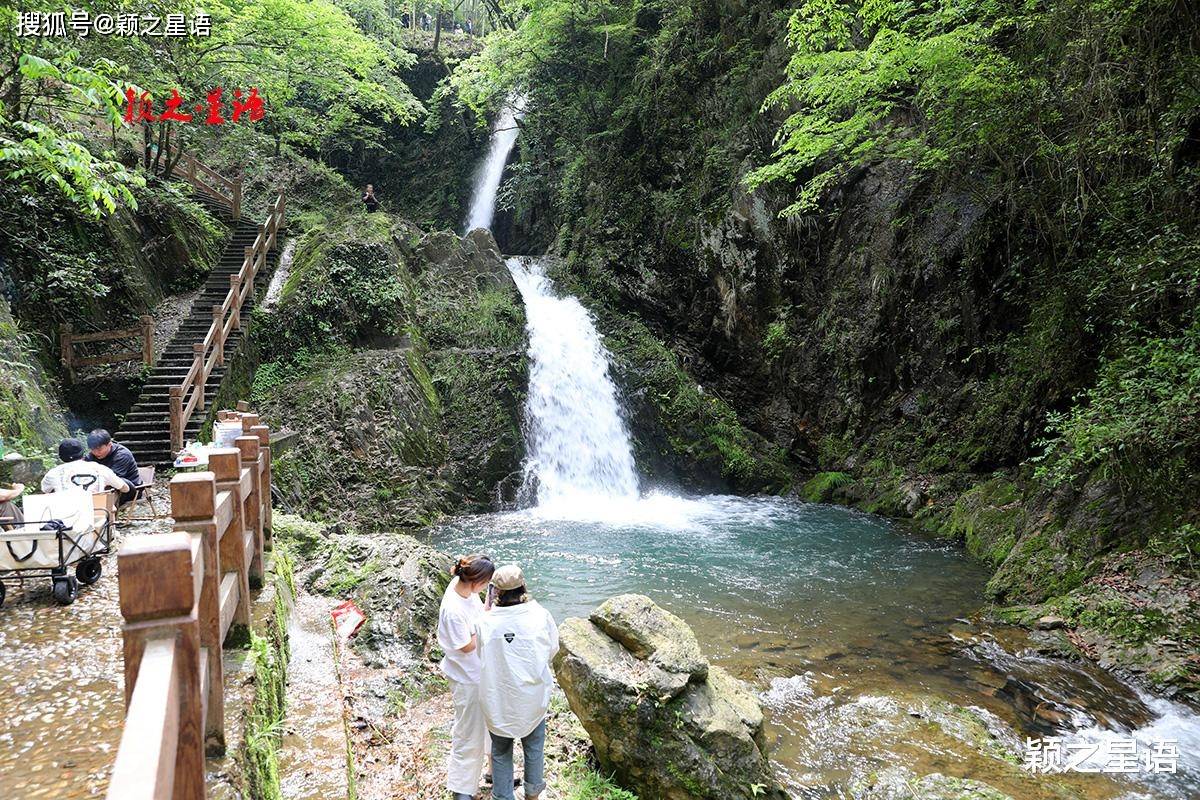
x: 75, y: 473
x: 460, y: 611
x: 517, y: 639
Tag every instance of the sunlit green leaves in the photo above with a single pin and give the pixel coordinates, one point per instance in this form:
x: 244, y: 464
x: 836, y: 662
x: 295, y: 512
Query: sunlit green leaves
x: 34, y: 151
x: 881, y: 79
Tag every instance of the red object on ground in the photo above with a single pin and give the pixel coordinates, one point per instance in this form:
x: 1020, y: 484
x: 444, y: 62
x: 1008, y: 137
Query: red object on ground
x: 347, y: 619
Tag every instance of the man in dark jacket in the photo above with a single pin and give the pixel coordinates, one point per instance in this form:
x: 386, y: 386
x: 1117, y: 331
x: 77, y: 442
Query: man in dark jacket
x: 115, y: 456
x: 369, y: 200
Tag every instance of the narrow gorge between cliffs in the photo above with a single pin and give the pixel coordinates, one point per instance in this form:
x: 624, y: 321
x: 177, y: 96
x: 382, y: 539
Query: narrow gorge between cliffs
x: 864, y: 637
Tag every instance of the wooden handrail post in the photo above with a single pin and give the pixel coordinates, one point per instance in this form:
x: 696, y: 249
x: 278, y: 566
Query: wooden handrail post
x: 235, y: 289
x: 191, y: 168
x: 147, y: 340
x: 251, y: 452
x: 176, y: 393
x: 201, y: 374
x: 226, y: 464
x: 159, y: 578
x: 264, y: 439
x: 193, y: 505
x: 68, y: 350
x: 219, y: 328
x: 237, y: 198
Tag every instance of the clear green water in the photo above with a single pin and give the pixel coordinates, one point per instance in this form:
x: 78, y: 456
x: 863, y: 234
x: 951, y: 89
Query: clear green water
x: 783, y: 576
x: 824, y: 609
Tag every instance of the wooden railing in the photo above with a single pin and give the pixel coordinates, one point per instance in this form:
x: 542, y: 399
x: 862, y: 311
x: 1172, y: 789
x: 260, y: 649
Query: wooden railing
x: 181, y: 593
x: 188, y: 396
x: 144, y: 333
x: 224, y: 190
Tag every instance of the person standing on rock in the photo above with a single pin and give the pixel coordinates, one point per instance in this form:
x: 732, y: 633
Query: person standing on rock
x: 517, y: 640
x: 370, y: 201
x: 460, y: 612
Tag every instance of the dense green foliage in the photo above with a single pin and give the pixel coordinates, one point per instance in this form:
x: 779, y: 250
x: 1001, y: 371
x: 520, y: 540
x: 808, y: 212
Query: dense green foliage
x: 92, y: 235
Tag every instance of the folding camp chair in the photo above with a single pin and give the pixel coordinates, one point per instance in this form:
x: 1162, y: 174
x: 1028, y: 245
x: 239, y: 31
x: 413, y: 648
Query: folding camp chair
x: 142, y: 496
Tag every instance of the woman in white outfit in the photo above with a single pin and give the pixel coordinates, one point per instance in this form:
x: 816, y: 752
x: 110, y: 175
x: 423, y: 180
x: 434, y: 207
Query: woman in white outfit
x: 460, y: 613
x: 516, y: 640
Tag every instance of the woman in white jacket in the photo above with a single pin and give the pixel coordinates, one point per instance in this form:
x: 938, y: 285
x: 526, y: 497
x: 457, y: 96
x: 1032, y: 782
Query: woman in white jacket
x: 517, y: 640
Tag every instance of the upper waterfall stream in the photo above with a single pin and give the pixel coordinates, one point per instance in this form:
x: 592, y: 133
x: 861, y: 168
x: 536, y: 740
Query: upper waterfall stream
x: 843, y: 620
x: 487, y: 179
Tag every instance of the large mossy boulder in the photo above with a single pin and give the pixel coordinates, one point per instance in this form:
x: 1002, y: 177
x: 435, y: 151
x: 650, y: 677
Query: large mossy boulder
x: 665, y: 722
x: 398, y: 357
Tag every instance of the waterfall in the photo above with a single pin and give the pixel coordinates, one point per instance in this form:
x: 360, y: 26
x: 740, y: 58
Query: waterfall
x: 579, y: 452
x: 487, y: 181
x: 579, y: 458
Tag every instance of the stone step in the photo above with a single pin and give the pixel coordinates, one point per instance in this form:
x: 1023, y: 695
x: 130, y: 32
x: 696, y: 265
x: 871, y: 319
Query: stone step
x: 146, y: 429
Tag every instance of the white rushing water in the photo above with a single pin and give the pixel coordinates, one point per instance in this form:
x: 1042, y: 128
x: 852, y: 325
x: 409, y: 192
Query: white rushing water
x: 580, y: 460
x: 487, y: 180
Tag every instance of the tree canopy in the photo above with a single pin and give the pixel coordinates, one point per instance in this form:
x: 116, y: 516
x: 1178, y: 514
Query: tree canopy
x: 326, y: 84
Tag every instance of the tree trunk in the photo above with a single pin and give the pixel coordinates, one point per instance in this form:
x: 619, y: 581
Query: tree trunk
x: 147, y: 135
x: 437, y: 29
x: 162, y: 131
x: 171, y: 163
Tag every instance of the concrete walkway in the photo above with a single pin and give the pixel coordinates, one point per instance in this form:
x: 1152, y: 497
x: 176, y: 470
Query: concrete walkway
x: 62, y: 704
x: 312, y: 757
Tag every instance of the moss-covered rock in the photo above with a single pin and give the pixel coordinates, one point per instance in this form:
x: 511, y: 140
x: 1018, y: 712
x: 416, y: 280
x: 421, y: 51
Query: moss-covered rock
x: 31, y: 420
x: 668, y: 726
x: 399, y: 359
x: 394, y: 578
x: 988, y: 519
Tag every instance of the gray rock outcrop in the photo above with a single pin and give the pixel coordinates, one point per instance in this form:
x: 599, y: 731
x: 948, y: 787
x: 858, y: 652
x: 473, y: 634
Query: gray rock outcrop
x: 665, y: 722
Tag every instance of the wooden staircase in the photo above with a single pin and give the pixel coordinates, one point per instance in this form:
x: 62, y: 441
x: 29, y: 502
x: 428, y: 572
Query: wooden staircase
x: 146, y: 429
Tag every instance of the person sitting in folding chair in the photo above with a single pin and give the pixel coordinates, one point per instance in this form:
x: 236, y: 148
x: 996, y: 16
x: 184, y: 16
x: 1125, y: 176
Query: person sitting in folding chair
x: 73, y: 472
x: 10, y: 513
x: 104, y: 451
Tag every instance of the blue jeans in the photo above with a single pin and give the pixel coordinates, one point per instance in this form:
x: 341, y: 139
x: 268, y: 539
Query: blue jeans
x: 534, y: 746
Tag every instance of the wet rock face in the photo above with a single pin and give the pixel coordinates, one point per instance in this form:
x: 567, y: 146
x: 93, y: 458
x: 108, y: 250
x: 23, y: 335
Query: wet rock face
x: 473, y: 259
x: 669, y: 725
x: 407, y: 391
x: 396, y: 580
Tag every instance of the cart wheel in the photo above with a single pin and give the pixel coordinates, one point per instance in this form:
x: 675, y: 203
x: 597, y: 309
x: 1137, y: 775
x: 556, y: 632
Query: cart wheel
x: 88, y: 571
x: 65, y: 590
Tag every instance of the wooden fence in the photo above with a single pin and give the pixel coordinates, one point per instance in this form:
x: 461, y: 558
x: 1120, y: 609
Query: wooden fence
x: 181, y: 593
x: 188, y: 396
x: 227, y: 191
x: 144, y: 333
